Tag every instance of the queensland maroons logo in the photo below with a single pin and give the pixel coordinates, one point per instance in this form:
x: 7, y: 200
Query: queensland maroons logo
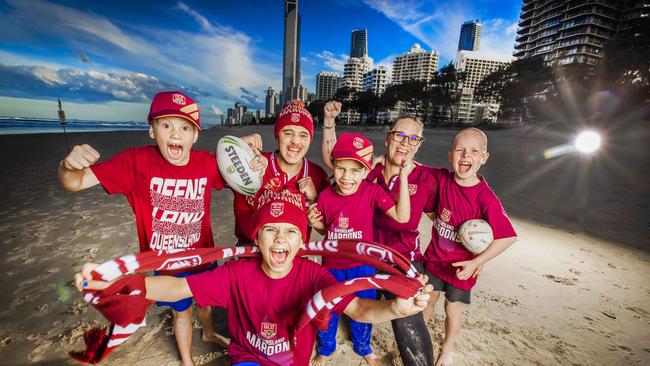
x: 357, y: 142
x: 413, y: 188
x: 268, y: 330
x: 445, y: 215
x: 178, y: 99
x: 277, y: 209
x: 295, y: 117
x: 344, y: 222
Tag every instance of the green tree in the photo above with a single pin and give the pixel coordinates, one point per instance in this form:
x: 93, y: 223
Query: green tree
x: 443, y: 89
x: 367, y: 104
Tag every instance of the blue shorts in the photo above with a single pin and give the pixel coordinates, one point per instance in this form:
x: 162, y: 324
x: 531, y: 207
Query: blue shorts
x: 184, y: 304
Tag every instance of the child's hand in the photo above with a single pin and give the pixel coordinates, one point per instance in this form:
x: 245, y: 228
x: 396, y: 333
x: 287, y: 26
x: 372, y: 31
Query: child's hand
x: 83, y: 280
x: 307, y: 187
x: 415, y: 304
x: 315, y: 218
x: 253, y: 140
x: 331, y: 110
x: 80, y: 157
x: 468, y: 269
x: 407, y: 168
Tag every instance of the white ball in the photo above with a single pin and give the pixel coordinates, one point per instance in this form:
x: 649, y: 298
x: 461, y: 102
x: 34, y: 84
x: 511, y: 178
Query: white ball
x: 475, y: 235
x: 234, y: 157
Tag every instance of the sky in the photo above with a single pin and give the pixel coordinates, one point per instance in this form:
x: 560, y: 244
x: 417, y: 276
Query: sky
x: 106, y: 59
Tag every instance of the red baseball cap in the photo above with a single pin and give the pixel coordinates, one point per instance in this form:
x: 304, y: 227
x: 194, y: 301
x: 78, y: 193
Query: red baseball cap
x: 296, y: 114
x: 354, y: 146
x: 174, y: 103
x: 279, y: 210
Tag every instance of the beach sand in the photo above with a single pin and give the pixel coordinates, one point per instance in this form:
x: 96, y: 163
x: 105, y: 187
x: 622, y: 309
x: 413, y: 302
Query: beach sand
x: 573, y: 290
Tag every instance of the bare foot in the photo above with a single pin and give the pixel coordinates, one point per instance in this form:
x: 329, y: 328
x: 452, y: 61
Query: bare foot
x: 371, y: 359
x: 319, y: 360
x: 215, y: 338
x: 446, y: 358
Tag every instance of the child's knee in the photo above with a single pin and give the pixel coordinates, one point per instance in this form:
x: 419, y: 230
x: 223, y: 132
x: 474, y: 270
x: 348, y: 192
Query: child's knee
x: 453, y: 309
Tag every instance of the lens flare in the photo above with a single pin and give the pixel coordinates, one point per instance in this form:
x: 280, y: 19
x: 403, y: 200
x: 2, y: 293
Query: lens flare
x: 587, y: 142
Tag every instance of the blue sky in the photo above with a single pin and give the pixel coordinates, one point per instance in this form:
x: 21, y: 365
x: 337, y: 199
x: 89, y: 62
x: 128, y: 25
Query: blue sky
x: 105, y: 59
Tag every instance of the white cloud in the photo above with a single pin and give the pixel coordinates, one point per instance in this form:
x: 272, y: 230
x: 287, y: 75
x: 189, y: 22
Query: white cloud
x: 498, y: 36
x: 216, y: 110
x: 334, y: 62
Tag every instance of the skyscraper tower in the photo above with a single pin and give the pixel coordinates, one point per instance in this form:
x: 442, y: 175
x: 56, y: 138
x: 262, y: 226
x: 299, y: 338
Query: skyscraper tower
x: 359, y: 43
x: 269, y: 106
x: 291, y: 60
x: 470, y: 36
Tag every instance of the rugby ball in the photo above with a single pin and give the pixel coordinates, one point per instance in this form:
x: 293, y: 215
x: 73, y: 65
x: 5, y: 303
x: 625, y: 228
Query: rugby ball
x: 475, y: 235
x: 234, y: 157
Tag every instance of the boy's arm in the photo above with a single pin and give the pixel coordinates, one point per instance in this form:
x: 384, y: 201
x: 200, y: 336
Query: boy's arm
x: 376, y: 311
x: 331, y: 110
x: 468, y: 268
x: 401, y: 212
x: 74, y: 171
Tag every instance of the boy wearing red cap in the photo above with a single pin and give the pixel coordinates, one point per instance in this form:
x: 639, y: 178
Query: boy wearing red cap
x: 168, y: 186
x: 345, y: 211
x: 265, y: 295
x: 288, y: 173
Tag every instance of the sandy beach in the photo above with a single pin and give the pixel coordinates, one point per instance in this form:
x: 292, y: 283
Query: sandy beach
x: 573, y: 290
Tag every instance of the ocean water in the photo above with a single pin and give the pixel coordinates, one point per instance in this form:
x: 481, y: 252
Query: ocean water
x: 10, y: 126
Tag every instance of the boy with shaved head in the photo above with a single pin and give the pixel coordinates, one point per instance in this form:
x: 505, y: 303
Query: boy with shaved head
x: 462, y: 195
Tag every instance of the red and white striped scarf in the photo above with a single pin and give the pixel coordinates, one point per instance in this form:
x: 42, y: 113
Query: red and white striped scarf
x: 125, y: 305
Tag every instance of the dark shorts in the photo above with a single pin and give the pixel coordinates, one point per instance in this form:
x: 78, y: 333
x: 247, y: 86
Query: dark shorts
x: 452, y: 293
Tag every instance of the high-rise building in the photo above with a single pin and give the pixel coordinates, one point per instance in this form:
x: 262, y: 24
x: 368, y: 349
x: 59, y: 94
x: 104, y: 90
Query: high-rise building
x: 353, y: 71
x: 470, y: 36
x: 291, y: 59
x: 476, y: 65
x: 376, y: 80
x: 416, y: 64
x: 359, y: 43
x: 270, y: 102
x: 326, y: 84
x: 568, y: 32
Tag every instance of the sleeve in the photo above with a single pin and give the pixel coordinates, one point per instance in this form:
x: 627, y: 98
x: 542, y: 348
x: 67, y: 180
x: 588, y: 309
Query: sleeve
x: 117, y: 174
x: 219, y: 183
x: 325, y: 279
x: 212, y: 288
x: 496, y: 216
x: 382, y: 200
x: 432, y: 191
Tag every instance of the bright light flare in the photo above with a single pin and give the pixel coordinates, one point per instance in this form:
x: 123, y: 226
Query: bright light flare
x: 587, y: 142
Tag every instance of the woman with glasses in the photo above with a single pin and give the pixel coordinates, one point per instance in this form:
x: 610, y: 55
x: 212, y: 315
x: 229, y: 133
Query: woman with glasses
x: 402, y: 142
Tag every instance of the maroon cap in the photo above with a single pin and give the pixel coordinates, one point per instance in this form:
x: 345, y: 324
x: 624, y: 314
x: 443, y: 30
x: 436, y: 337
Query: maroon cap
x: 353, y: 146
x: 279, y: 210
x: 174, y: 103
x: 296, y: 114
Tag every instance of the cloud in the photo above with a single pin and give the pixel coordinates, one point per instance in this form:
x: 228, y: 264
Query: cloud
x: 216, y: 110
x: 334, y: 62
x: 84, y: 86
x: 438, y: 25
x: 213, y: 57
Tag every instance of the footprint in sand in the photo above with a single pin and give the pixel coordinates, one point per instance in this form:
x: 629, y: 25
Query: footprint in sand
x: 42, y: 307
x: 575, y: 271
x: 561, y: 280
x: 5, y: 341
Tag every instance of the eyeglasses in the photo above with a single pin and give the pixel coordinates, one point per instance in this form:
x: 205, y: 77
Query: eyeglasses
x: 414, y: 140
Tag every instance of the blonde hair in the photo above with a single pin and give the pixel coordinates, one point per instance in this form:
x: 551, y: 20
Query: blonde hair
x: 471, y: 129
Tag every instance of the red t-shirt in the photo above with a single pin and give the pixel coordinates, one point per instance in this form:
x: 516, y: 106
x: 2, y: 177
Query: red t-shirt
x: 263, y: 311
x: 457, y: 204
x: 405, y: 238
x: 274, y: 183
x: 171, y: 203
x: 350, y: 217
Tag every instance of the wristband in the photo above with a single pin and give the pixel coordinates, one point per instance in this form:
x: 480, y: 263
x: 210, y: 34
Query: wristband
x: 327, y: 127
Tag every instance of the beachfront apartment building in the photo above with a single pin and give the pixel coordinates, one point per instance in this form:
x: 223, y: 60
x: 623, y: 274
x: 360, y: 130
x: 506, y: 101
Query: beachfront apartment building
x: 327, y: 83
x: 415, y: 64
x: 575, y: 31
x: 376, y: 80
x: 476, y: 65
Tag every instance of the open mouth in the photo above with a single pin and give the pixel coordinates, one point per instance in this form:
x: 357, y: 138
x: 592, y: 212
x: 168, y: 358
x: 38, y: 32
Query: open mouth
x: 175, y: 150
x: 346, y: 185
x: 464, y: 166
x: 293, y: 152
x: 279, y: 256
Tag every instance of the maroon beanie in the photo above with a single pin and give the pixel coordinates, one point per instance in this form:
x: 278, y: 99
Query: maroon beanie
x: 282, y: 210
x: 174, y: 103
x: 296, y: 114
